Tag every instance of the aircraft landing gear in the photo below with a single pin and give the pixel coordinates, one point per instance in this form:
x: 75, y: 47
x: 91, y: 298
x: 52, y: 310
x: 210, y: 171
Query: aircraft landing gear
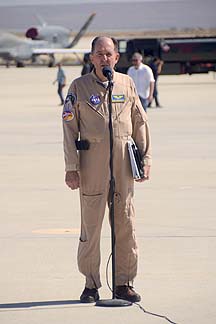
x: 51, y: 60
x: 19, y: 64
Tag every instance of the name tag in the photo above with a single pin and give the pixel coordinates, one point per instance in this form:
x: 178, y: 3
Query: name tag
x: 118, y: 98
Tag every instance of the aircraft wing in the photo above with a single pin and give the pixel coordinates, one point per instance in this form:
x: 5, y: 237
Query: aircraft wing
x: 82, y: 31
x: 60, y: 51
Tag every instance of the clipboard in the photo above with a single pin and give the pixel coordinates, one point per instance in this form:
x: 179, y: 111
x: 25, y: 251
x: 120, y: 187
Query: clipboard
x: 135, y: 160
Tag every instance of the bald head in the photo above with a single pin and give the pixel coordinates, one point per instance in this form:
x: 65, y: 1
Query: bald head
x: 104, y: 53
x: 102, y: 40
x: 136, y: 60
x: 137, y: 56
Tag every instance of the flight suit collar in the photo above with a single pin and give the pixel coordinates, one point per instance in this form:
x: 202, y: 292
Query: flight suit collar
x: 95, y: 77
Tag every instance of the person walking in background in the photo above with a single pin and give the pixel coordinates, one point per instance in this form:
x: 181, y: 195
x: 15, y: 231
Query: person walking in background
x: 156, y: 66
x: 143, y: 78
x: 87, y: 65
x: 61, y: 79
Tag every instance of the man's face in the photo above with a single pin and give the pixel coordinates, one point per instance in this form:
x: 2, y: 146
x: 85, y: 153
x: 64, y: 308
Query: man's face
x: 136, y: 61
x: 104, y: 55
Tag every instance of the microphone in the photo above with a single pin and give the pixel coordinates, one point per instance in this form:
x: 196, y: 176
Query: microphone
x: 107, y: 72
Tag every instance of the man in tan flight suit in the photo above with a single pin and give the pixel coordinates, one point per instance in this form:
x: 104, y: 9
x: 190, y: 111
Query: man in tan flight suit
x: 86, y: 117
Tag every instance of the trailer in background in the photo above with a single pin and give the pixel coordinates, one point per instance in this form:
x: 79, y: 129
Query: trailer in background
x: 180, y: 55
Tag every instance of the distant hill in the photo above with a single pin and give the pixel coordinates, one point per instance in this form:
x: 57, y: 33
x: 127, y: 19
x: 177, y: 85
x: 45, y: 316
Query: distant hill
x: 127, y: 18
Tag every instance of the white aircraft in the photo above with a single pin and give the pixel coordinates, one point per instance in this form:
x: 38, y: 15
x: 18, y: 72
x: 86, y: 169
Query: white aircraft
x: 45, y: 39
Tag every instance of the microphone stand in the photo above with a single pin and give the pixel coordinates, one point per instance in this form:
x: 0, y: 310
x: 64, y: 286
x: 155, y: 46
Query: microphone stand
x: 114, y: 302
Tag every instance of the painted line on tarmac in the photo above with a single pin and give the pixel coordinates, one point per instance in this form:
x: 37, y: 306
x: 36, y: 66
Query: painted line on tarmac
x: 58, y: 231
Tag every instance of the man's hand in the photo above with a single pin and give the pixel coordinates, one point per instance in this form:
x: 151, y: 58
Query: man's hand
x: 72, y: 179
x: 146, y: 174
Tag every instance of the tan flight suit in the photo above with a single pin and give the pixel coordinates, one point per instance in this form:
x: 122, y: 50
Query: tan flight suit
x: 88, y: 118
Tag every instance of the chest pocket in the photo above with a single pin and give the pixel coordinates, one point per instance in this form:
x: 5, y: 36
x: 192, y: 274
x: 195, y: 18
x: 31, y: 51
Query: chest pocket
x: 92, y: 123
x: 122, y: 122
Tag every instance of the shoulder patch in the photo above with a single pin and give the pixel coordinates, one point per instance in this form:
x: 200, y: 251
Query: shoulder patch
x: 67, y: 115
x: 71, y: 97
x: 69, y: 102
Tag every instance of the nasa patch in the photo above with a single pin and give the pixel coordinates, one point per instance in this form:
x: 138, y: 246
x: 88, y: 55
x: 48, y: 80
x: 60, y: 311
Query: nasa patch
x: 95, y: 100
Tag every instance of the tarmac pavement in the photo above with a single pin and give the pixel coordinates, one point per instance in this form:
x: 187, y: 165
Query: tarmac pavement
x: 175, y: 210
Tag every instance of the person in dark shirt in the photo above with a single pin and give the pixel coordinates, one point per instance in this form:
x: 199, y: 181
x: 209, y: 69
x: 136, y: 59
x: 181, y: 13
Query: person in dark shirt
x: 87, y: 65
x: 156, y: 66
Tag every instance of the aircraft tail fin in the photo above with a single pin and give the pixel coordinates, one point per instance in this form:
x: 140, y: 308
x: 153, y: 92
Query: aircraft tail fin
x: 41, y: 20
x: 82, y: 31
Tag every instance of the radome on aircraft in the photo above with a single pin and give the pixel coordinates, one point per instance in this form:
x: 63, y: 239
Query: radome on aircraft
x: 44, y: 39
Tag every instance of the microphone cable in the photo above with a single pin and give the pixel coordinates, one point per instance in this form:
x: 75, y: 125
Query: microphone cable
x: 154, y: 314
x: 137, y: 304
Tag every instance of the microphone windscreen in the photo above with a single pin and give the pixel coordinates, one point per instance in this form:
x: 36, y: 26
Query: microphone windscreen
x: 107, y: 72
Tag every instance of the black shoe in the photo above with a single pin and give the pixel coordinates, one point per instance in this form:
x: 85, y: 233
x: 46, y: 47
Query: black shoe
x: 127, y: 293
x: 89, y: 295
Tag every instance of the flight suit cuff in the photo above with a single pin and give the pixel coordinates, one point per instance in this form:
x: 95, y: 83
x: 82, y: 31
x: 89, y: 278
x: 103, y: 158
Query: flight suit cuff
x: 71, y: 167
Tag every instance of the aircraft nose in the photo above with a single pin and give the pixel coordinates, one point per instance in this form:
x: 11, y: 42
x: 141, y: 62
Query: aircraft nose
x: 32, y: 33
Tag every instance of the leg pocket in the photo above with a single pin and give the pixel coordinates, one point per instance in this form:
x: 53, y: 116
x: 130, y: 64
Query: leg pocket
x: 93, y: 208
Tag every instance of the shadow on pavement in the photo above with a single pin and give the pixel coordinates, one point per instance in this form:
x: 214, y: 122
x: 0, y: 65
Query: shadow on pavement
x: 40, y: 303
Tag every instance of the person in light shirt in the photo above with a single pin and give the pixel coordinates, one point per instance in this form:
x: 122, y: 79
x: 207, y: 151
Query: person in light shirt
x: 143, y: 78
